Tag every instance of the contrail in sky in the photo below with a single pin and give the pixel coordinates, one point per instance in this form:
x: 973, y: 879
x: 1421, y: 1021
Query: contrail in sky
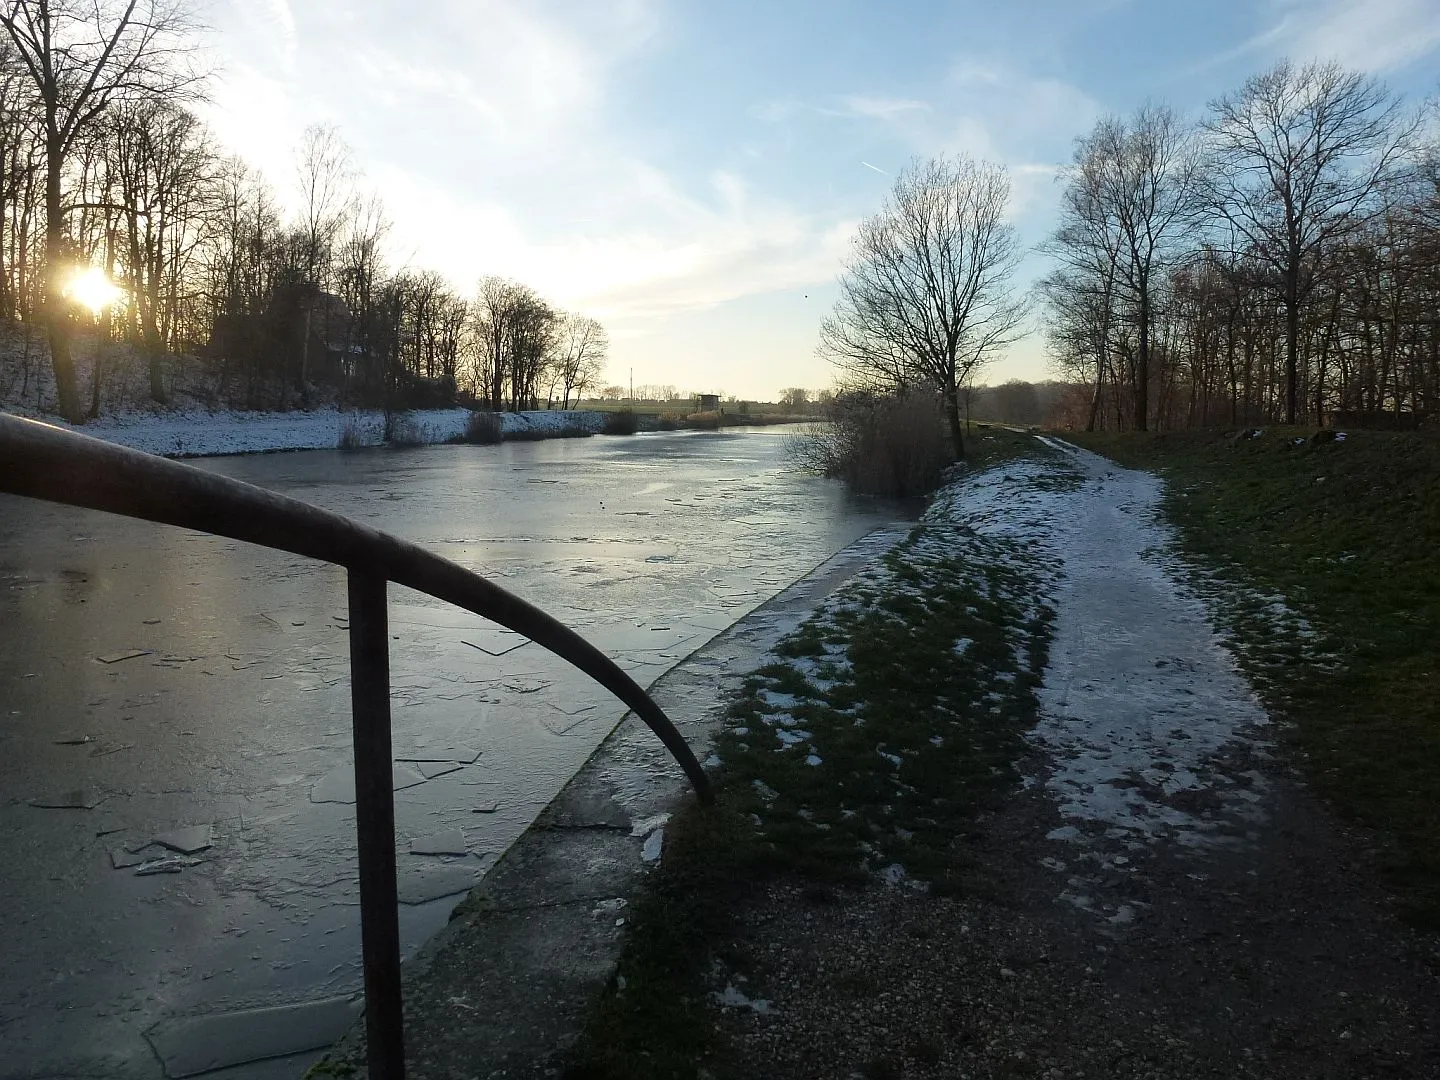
x: 867, y: 165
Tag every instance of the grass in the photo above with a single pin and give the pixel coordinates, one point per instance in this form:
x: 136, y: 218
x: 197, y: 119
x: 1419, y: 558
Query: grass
x: 868, y: 744
x: 1322, y: 559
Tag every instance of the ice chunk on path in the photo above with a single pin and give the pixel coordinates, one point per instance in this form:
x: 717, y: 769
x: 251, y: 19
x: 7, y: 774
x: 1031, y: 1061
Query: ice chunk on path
x: 646, y: 826
x: 732, y: 998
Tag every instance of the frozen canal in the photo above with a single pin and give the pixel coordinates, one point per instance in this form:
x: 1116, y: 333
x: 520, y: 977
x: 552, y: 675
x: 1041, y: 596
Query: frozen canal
x: 152, y: 680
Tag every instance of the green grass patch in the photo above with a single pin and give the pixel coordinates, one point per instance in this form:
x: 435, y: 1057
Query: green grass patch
x: 1322, y: 562
x: 860, y: 753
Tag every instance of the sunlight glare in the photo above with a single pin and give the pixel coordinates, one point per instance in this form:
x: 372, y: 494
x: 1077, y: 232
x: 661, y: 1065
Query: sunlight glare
x: 93, y: 289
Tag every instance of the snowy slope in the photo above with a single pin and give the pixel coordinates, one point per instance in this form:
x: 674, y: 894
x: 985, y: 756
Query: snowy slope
x: 197, y: 432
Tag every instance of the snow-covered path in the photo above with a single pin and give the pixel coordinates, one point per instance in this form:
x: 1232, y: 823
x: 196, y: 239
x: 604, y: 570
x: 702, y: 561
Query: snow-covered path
x: 1140, y: 698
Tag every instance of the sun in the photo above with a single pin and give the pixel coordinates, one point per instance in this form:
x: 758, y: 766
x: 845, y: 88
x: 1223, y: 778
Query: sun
x: 93, y: 289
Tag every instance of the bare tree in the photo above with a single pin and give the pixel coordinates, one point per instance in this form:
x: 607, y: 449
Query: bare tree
x: 489, y: 314
x: 1144, y: 175
x: 82, y: 55
x: 327, y: 197
x: 513, y: 330
x: 161, y: 163
x: 580, y: 351
x: 1080, y: 292
x: 359, y: 267
x: 794, y: 397
x: 326, y: 180
x: 1297, y: 155
x: 926, y: 295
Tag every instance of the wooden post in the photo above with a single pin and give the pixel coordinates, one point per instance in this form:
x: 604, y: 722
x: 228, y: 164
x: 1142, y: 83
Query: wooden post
x: 375, y: 825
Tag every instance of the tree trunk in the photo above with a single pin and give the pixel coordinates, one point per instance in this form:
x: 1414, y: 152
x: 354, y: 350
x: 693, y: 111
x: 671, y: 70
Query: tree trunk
x: 952, y: 416
x: 305, y: 359
x: 155, y: 351
x: 1292, y: 353
x: 57, y: 322
x: 1142, y: 365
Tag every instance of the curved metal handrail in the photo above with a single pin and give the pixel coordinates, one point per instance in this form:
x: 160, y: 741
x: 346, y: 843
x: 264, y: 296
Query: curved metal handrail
x: 42, y: 461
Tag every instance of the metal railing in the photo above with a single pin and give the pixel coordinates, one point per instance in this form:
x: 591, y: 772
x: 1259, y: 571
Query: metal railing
x: 41, y: 461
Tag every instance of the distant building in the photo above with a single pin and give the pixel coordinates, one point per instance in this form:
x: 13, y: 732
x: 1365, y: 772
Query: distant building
x: 709, y: 402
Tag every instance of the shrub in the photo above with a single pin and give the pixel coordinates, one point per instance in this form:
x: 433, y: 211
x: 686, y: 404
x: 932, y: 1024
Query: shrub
x: 668, y: 421
x: 483, y: 428
x: 703, y: 421
x: 624, y: 422
x: 401, y: 429
x: 892, y: 445
x: 350, y: 437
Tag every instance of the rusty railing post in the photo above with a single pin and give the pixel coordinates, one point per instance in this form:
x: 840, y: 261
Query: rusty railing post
x: 375, y: 825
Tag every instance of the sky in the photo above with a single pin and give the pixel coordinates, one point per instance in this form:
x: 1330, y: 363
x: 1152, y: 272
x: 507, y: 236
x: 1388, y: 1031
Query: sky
x: 690, y: 172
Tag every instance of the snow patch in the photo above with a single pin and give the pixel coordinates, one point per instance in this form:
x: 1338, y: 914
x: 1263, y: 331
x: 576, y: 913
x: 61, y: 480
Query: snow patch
x: 198, y: 432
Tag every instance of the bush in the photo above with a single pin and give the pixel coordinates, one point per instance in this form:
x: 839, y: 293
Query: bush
x: 668, y: 422
x: 624, y: 422
x: 350, y: 437
x: 703, y: 421
x: 889, y: 445
x: 483, y: 428
x: 401, y: 429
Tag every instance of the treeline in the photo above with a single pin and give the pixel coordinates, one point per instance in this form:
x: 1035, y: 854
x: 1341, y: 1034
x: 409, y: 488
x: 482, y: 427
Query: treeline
x: 1017, y: 402
x: 1276, y: 261
x: 103, y: 166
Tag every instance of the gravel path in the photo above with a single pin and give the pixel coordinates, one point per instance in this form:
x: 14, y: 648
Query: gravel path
x: 1162, y: 899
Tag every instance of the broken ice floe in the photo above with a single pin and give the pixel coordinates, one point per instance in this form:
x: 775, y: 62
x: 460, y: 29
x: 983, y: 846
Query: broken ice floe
x: 450, y: 842
x: 170, y: 864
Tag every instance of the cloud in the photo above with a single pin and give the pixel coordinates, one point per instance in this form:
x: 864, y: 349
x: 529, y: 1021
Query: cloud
x: 279, y: 15
x: 843, y: 106
x: 980, y: 107
x: 487, y: 130
x: 688, y: 254
x: 879, y: 108
x: 1012, y: 115
x: 1377, y: 36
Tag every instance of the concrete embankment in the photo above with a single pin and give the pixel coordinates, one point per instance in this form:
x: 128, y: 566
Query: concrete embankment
x: 508, y: 982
